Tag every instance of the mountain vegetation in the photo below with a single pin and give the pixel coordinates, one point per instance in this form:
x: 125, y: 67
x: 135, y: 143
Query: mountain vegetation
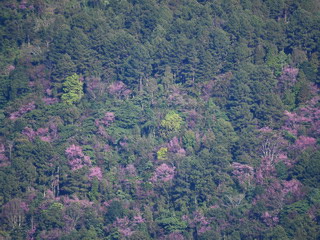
x: 160, y: 119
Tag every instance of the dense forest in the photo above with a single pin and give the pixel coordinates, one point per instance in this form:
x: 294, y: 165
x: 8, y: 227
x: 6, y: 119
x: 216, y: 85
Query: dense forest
x: 159, y: 119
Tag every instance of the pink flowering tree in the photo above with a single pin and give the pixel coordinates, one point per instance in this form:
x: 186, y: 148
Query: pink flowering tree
x: 278, y: 193
x: 106, y: 121
x: 272, y: 151
x: 95, y: 172
x: 243, y: 173
x: 287, y: 78
x: 13, y: 212
x: 126, y: 226
x: 50, y: 100
x: 42, y: 133
x: 174, y: 147
x: 4, y: 161
x: 163, y: 173
x: 306, y: 118
x: 198, y: 222
x: 76, y: 157
x: 270, y: 218
x: 95, y: 87
x: 304, y: 142
x: 119, y: 89
x: 22, y: 110
x: 175, y: 236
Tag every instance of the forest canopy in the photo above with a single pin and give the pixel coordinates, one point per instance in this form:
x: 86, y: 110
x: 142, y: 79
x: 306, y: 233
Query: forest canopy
x: 159, y: 119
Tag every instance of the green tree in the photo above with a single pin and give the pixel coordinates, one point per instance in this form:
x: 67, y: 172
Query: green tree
x: 73, y: 89
x: 171, y: 124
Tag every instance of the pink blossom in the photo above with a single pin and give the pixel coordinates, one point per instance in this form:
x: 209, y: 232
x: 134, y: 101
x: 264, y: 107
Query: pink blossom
x: 3, y: 158
x: 22, y: 6
x: 288, y: 78
x: 76, y: 157
x: 24, y: 206
x: 198, y: 221
x: 95, y: 172
x: 23, y: 110
x: 265, y: 130
x: 270, y: 220
x: 49, y: 101
x: 86, y: 160
x: 42, y: 131
x: 45, y: 138
x: 31, y: 232
x: 131, y: 170
x: 163, y: 173
x: 75, y: 163
x: 116, y: 87
x: 84, y: 203
x: 109, y: 117
x: 10, y: 68
x: 244, y: 173
x: 106, y: 148
x: 174, y: 146
x: 292, y: 186
x: 193, y: 118
x: 29, y: 132
x: 284, y: 158
x: 119, y: 89
x: 32, y: 84
x: 276, y: 193
x: 49, y: 91
x: 204, y: 229
x: 102, y: 131
x: 304, y: 142
x: 214, y: 206
x: 74, y: 151
x: 123, y: 143
x: 138, y: 219
x: 175, y: 236
x: 124, y: 226
x: 181, y: 152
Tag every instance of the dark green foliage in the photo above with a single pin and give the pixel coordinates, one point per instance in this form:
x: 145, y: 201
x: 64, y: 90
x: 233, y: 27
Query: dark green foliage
x: 307, y: 168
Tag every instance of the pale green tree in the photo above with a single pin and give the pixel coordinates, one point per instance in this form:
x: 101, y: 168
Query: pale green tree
x: 73, y: 89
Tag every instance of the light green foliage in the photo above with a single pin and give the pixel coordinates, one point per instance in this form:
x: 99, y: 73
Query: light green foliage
x: 162, y: 153
x: 172, y: 121
x: 171, y: 124
x: 73, y: 89
x: 189, y: 139
x: 277, y: 61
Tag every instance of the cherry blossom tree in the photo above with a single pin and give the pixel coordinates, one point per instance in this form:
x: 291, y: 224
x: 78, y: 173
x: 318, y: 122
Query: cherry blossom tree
x: 163, y: 173
x: 174, y: 147
x: 14, y: 212
x: 287, y: 78
x: 198, y: 221
x: 22, y: 110
x: 304, y: 142
x: 42, y: 133
x: 95, y: 172
x: 119, y: 89
x: 76, y: 157
x: 4, y: 161
x: 243, y: 172
x: 126, y: 226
